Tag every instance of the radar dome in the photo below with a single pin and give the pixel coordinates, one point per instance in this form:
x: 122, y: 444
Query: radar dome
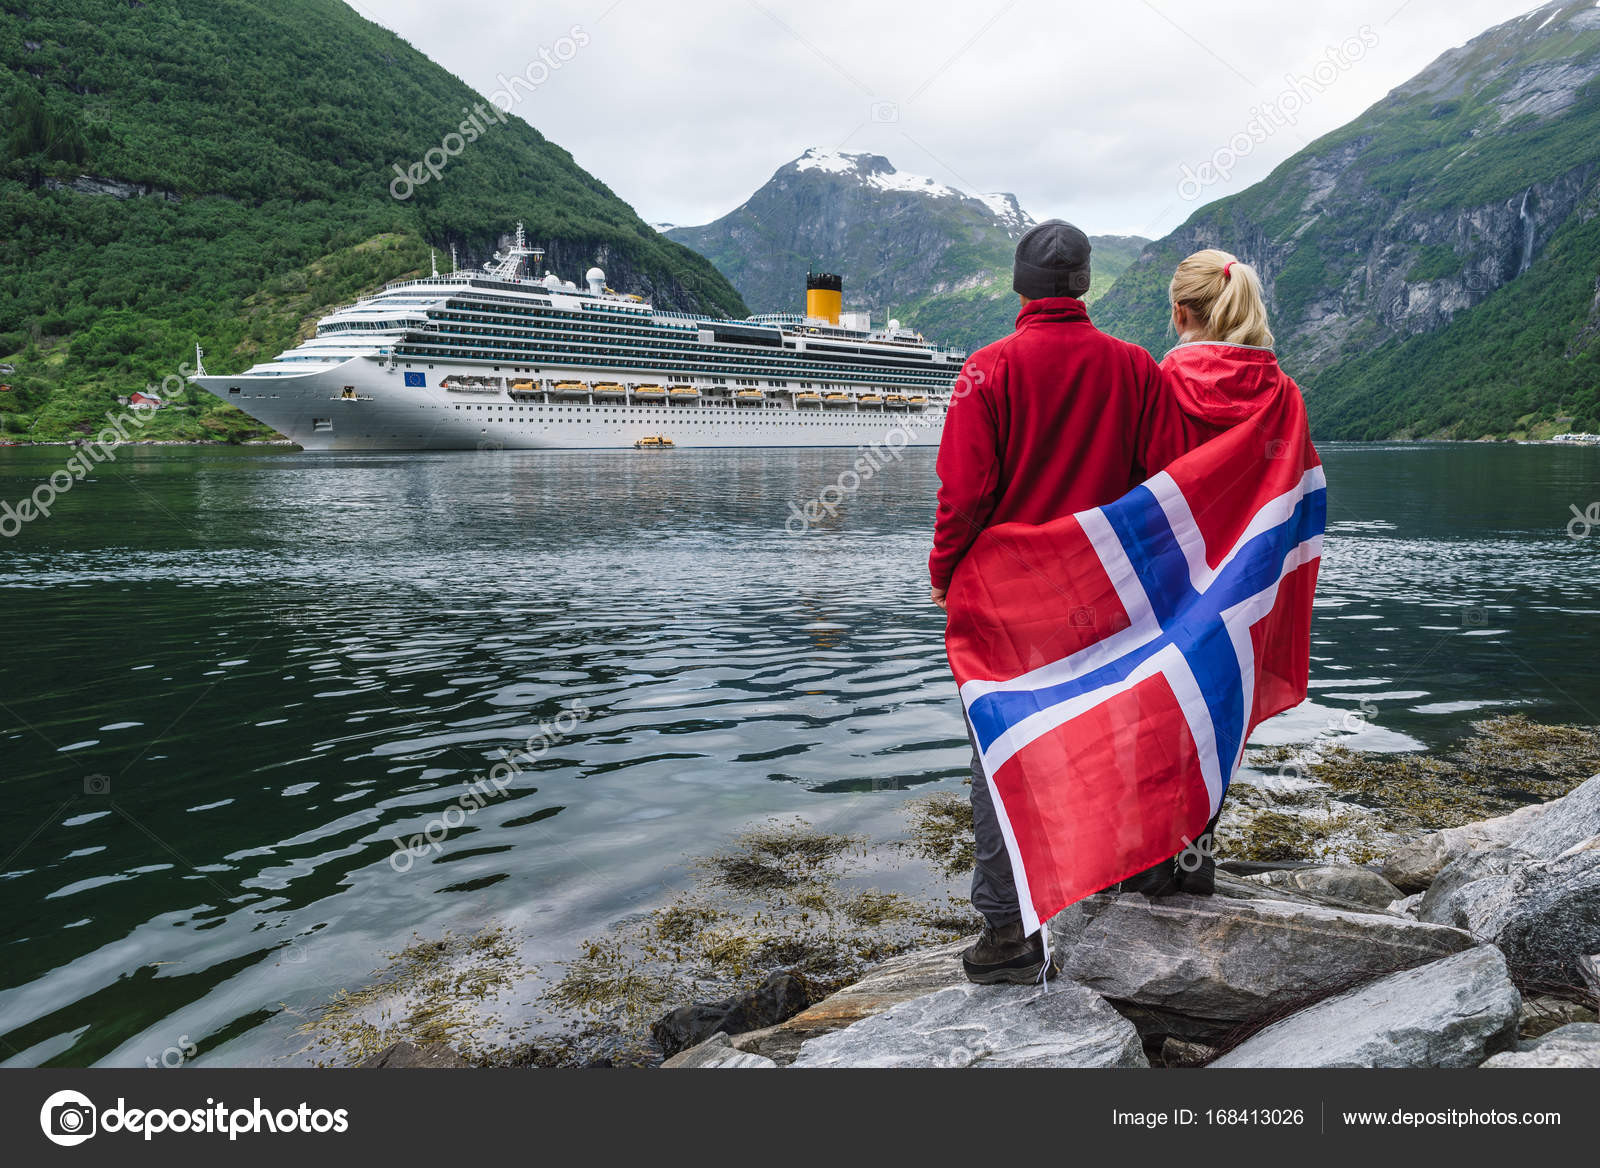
x: 596, y: 279
x: 894, y: 326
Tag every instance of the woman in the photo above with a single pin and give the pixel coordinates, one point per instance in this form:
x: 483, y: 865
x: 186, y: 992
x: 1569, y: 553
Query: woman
x: 1223, y: 369
x: 1222, y: 372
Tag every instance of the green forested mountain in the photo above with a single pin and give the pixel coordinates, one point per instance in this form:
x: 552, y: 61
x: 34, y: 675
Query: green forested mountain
x: 1433, y: 267
x: 936, y: 258
x: 220, y: 170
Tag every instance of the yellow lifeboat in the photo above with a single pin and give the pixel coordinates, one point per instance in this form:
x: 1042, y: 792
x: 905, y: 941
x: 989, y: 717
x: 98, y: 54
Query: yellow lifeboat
x: 648, y: 393
x: 570, y: 388
x: 807, y: 398
x: 750, y: 395
x: 653, y: 442
x: 897, y: 401
x: 522, y: 387
x: 682, y: 392
x: 838, y: 399
x: 917, y: 401
x: 870, y: 399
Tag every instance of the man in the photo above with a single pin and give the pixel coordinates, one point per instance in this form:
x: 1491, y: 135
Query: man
x: 1056, y: 418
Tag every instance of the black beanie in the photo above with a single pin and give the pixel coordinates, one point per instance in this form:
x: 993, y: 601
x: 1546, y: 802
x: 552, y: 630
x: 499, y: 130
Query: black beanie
x: 1052, y: 260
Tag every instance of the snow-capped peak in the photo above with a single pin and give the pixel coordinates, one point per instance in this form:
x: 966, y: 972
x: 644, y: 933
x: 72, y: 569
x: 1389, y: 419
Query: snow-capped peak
x: 875, y: 170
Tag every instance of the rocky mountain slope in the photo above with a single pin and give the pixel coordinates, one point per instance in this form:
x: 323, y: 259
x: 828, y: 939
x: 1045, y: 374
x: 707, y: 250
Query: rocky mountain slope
x: 934, y: 256
x: 220, y: 171
x: 1434, y: 267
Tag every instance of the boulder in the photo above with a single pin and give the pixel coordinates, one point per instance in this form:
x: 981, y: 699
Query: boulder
x: 1577, y: 1045
x: 1197, y: 968
x: 1545, y: 914
x: 1542, y: 1013
x: 1243, y: 888
x: 781, y: 996
x: 1346, y: 882
x: 1177, y: 1053
x: 897, y: 980
x: 1060, y: 1025
x: 1541, y: 829
x: 1553, y: 920
x: 407, y: 1056
x: 1473, y: 891
x: 1589, y: 970
x: 1448, y: 1013
x: 717, y: 1053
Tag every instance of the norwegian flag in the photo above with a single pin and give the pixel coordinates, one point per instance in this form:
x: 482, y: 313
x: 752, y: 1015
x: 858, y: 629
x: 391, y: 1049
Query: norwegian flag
x: 1114, y: 663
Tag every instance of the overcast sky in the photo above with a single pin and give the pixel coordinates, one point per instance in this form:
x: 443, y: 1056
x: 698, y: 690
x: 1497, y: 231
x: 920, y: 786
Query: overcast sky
x: 1085, y: 111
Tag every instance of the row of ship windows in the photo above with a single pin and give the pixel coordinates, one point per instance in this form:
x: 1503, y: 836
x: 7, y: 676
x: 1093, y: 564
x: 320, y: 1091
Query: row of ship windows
x: 560, y: 331
x: 921, y: 372
x: 834, y: 372
x: 676, y: 412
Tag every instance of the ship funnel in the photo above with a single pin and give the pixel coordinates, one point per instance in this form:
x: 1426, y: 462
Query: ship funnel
x: 824, y: 296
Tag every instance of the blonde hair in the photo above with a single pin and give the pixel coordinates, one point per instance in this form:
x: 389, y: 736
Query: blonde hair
x: 1225, y: 293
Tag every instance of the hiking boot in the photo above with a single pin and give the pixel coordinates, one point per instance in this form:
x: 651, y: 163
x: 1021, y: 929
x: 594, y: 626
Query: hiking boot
x: 1197, y: 863
x: 1197, y: 871
x: 1157, y: 880
x: 1004, y: 955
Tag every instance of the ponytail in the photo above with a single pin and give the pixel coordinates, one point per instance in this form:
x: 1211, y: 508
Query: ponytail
x: 1225, y: 293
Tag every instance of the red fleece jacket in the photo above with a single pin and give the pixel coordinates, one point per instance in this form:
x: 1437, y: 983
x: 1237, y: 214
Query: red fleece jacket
x: 1218, y: 385
x: 1054, y: 419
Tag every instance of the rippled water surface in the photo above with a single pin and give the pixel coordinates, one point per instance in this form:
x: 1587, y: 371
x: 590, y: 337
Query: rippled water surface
x: 231, y: 679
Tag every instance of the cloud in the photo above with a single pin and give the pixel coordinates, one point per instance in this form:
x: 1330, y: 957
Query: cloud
x: 1087, y: 112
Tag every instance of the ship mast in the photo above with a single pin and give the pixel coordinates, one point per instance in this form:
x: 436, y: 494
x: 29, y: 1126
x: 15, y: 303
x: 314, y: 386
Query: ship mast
x: 507, y: 265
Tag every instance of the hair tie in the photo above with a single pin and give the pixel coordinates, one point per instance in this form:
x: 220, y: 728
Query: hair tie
x: 1227, y: 270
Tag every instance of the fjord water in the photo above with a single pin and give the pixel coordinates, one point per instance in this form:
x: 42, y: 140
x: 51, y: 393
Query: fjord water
x: 232, y: 678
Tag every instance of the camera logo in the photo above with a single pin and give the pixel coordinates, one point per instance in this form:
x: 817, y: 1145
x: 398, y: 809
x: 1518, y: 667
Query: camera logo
x: 68, y: 1118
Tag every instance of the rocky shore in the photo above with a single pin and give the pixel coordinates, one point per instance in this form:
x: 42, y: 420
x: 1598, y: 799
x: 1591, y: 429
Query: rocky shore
x: 1476, y: 946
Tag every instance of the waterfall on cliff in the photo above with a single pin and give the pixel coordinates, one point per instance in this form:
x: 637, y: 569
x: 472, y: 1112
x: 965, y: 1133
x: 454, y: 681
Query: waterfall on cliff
x: 1527, y: 233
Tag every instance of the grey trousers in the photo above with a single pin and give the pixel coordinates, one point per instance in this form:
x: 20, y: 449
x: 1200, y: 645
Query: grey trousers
x: 994, y: 889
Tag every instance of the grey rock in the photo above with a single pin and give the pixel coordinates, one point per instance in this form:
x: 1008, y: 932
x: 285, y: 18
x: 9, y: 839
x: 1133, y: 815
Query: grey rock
x: 717, y: 1053
x: 1198, y: 967
x: 1473, y: 891
x: 1177, y: 1053
x: 1061, y: 1025
x: 1577, y: 1046
x: 1406, y: 906
x: 1589, y: 970
x: 1545, y: 914
x: 1448, y: 1013
x: 1553, y: 918
x: 897, y: 980
x: 1543, y: 830
x: 1542, y: 1013
x: 782, y: 995
x: 406, y: 1056
x: 1241, y: 888
x: 1566, y: 823
x: 1345, y: 881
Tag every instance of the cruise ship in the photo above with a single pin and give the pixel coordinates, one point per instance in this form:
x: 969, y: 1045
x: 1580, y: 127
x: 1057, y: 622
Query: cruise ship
x: 502, y: 358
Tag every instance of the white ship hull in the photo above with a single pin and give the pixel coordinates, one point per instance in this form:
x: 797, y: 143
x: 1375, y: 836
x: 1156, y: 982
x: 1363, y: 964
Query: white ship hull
x: 315, y: 411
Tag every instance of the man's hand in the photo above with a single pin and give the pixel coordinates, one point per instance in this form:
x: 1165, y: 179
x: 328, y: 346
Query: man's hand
x: 937, y: 595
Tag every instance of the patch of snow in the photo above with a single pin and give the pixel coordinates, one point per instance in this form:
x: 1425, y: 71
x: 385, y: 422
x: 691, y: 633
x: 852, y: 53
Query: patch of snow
x: 831, y: 161
x: 880, y: 175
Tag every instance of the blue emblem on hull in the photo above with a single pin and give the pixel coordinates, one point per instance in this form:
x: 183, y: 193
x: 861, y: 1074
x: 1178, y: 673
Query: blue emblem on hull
x: 416, y: 380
